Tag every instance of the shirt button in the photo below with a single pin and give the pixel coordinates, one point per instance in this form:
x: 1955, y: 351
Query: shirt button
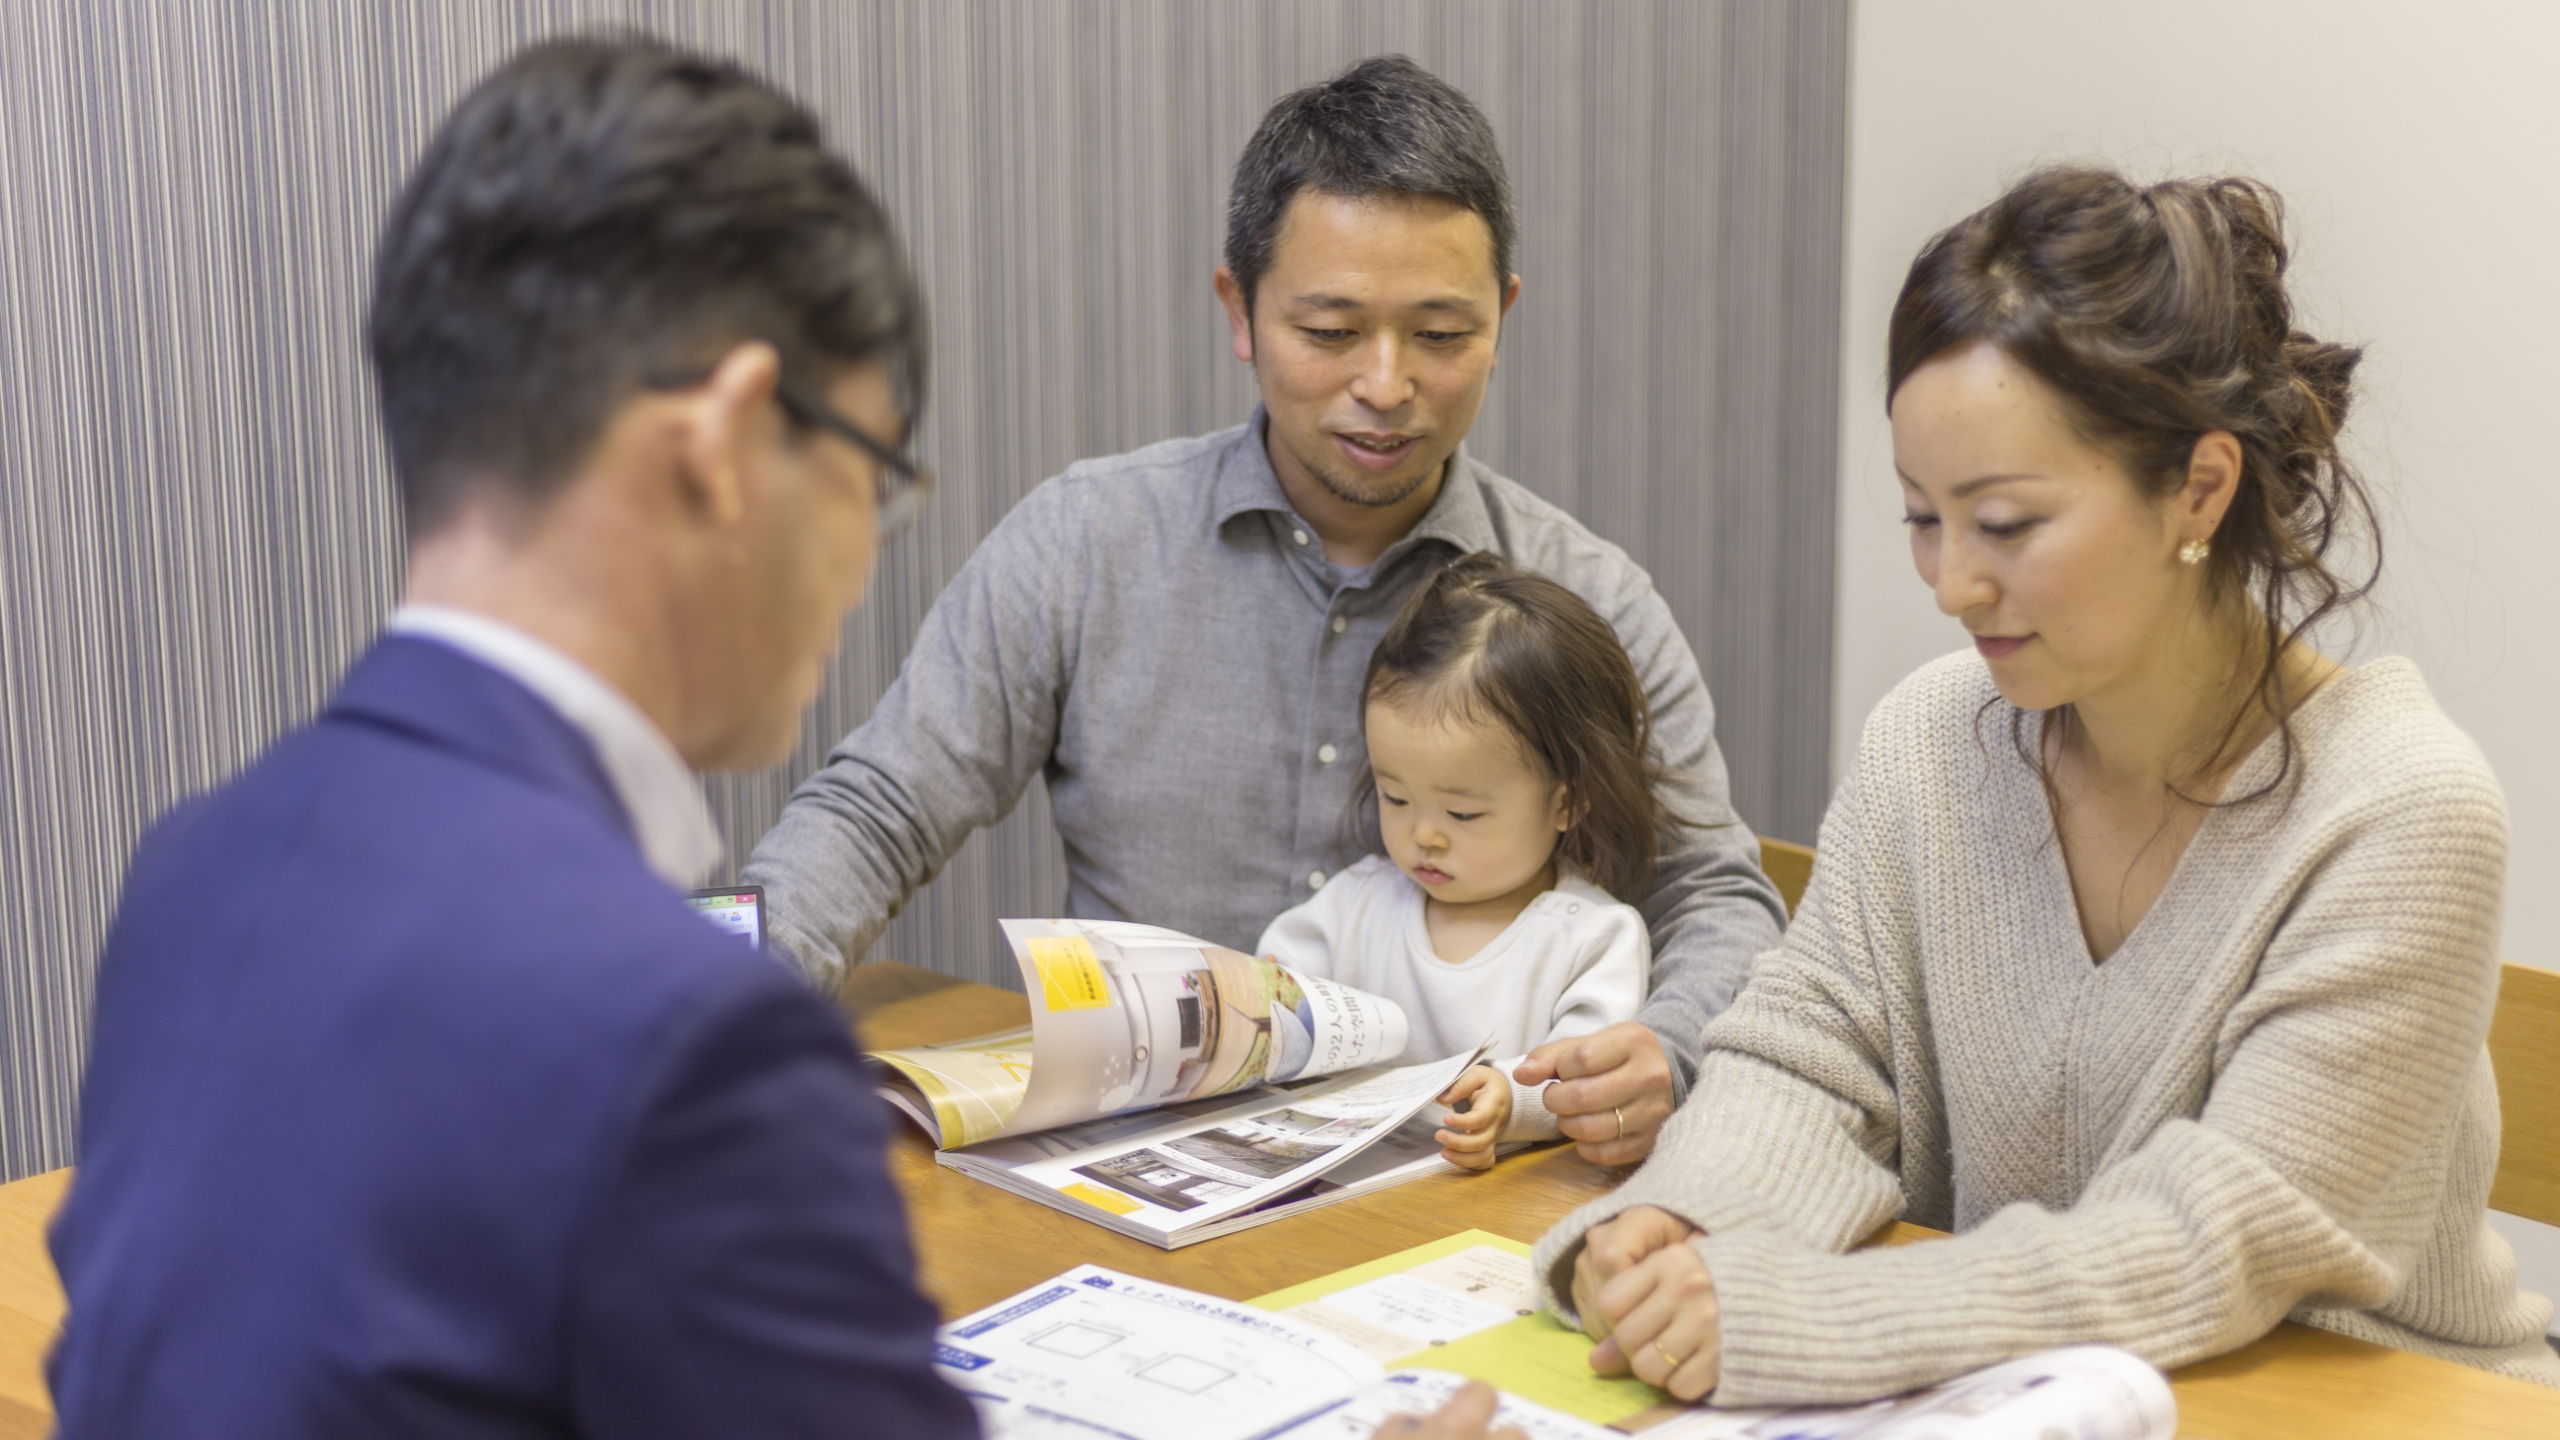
x: 1340, y: 624
x: 1326, y: 753
x: 1315, y: 880
x: 1298, y: 535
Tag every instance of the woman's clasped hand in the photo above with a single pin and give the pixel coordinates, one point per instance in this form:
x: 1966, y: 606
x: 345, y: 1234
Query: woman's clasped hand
x: 1643, y: 1292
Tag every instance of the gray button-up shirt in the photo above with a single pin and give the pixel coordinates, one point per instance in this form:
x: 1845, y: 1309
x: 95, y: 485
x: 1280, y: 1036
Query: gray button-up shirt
x: 1160, y: 636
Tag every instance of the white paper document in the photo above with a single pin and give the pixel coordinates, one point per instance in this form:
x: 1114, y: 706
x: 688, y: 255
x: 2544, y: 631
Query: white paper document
x: 1097, y: 1355
x: 1096, y: 1351
x: 1433, y: 1303
x: 1419, y: 1392
x: 2086, y: 1392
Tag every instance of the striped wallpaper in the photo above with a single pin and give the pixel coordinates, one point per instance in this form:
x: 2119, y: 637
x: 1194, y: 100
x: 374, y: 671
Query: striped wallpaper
x: 197, y: 530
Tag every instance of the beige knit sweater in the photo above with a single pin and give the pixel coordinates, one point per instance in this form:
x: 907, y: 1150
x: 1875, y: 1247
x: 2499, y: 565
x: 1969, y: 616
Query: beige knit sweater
x: 2273, y: 1100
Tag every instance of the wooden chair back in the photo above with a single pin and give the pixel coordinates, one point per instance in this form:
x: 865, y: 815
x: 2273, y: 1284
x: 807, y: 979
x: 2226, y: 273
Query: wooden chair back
x: 2524, y: 1048
x: 1788, y: 867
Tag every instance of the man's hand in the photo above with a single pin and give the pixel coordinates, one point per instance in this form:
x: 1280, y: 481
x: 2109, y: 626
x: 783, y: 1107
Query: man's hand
x: 1463, y: 1418
x: 1466, y: 1140
x: 1644, y: 1294
x: 1614, y: 1091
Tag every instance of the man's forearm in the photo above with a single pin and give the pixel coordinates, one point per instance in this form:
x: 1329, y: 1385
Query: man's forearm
x: 1712, y: 912
x: 949, y: 750
x: 838, y: 865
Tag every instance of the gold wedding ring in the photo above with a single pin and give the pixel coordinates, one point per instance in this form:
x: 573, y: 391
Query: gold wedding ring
x: 1621, y: 1135
x: 1674, y: 1361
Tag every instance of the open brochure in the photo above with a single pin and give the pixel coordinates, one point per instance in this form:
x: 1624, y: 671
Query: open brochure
x: 1098, y: 1352
x: 1173, y: 1090
x: 1133, y: 1017
x: 1173, y: 1177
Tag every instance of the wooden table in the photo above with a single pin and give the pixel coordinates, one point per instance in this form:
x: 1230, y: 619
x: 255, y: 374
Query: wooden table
x: 976, y: 1244
x: 30, y: 1304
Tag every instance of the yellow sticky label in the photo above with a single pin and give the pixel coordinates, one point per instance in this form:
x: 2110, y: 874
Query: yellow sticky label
x: 1099, y: 1199
x: 1070, y: 975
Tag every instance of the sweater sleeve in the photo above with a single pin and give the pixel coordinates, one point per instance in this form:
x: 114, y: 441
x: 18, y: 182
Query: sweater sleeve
x: 1794, y: 1131
x: 1710, y: 909
x: 2337, y: 1073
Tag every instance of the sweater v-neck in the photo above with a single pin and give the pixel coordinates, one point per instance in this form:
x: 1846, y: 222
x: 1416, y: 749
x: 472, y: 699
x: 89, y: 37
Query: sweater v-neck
x: 2246, y: 775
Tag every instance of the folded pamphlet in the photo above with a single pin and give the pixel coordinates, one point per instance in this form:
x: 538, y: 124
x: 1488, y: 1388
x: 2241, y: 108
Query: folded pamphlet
x: 1198, y: 1171
x: 1132, y: 1017
x: 1173, y: 1090
x: 1096, y: 1351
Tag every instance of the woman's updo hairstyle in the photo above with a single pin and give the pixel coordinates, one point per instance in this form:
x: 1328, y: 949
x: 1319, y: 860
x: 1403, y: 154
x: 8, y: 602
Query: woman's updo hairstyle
x: 2158, y: 313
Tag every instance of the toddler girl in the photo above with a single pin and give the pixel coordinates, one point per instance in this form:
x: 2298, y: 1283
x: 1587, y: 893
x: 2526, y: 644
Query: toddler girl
x: 1509, y: 747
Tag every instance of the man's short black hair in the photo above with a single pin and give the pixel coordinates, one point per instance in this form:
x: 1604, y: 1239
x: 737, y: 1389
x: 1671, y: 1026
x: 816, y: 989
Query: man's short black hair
x: 598, y: 215
x: 1386, y: 126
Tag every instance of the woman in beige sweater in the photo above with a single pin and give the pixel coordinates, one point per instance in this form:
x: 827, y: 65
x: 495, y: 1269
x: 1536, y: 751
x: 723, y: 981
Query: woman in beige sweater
x: 2148, y: 950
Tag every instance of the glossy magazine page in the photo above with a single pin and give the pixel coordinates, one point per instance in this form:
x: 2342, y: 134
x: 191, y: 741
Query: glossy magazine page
x: 1160, y: 1176
x: 1132, y: 1017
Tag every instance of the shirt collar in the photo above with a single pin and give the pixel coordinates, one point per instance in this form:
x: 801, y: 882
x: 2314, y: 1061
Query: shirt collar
x: 658, y: 790
x: 1246, y: 484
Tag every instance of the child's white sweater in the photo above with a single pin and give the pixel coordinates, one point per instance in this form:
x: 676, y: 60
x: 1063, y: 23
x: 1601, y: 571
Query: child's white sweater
x: 1575, y: 961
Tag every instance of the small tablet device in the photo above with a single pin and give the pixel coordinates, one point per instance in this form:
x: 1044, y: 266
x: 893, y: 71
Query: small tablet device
x: 739, y: 909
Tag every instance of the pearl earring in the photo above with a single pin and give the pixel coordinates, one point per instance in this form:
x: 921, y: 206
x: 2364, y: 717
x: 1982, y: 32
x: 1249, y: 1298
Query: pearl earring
x: 2193, y: 552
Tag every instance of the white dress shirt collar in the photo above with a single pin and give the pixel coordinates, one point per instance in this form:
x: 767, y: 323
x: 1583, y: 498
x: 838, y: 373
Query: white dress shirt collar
x: 658, y: 790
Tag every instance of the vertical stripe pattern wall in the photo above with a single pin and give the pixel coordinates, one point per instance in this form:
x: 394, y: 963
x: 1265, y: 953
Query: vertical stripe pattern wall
x: 198, y: 530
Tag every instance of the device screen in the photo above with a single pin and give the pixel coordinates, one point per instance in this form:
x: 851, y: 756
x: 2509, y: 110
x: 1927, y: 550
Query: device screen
x: 738, y: 910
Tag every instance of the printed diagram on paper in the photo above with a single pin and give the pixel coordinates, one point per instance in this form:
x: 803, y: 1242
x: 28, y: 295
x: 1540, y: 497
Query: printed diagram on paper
x: 1100, y: 1350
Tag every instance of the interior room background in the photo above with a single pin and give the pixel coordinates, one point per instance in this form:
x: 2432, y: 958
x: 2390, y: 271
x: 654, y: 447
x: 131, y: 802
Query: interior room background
x: 197, y: 525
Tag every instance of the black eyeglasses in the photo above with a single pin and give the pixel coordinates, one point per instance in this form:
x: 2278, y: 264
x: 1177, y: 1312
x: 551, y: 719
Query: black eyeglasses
x: 901, y: 485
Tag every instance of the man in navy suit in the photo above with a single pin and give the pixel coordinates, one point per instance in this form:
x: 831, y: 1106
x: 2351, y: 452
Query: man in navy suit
x: 421, y: 1103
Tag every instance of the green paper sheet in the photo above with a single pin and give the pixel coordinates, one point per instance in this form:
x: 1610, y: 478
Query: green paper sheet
x: 1536, y: 1357
x: 1541, y: 1359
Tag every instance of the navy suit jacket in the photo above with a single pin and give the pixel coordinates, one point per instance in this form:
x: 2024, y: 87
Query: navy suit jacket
x: 418, y: 1106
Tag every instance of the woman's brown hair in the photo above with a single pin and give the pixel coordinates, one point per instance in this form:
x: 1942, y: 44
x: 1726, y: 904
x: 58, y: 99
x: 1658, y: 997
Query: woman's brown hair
x: 1487, y: 641
x: 2158, y: 313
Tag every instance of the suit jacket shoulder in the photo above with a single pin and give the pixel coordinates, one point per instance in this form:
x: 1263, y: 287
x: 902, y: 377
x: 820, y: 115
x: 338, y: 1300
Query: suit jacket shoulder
x: 395, y: 1032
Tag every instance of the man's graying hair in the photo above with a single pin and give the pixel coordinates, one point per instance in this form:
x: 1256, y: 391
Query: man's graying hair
x: 1386, y: 126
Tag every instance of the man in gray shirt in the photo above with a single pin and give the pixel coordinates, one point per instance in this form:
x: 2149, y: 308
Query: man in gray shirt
x: 1175, y: 639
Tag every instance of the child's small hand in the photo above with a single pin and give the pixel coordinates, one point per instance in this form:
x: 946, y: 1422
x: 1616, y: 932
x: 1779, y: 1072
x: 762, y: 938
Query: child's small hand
x: 1466, y: 1140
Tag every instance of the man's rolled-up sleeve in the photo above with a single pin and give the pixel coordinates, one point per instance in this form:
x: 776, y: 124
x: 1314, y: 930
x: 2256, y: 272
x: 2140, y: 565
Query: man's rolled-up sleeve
x: 950, y: 749
x: 1711, y: 910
